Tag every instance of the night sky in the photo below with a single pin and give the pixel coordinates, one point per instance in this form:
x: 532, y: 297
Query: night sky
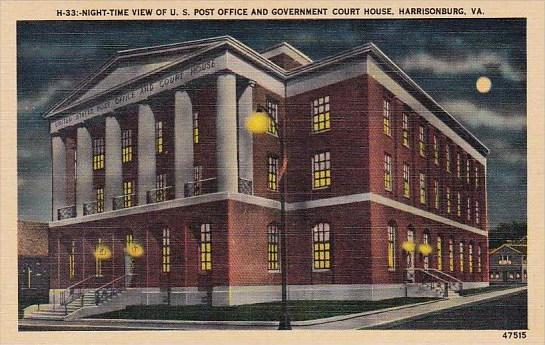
x: 445, y: 57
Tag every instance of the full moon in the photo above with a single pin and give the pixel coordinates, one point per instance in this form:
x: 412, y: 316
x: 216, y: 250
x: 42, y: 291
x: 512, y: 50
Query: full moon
x: 483, y: 84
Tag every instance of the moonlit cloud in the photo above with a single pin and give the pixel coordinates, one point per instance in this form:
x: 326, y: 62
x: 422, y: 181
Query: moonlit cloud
x: 479, y: 116
x: 36, y: 102
x: 484, y: 62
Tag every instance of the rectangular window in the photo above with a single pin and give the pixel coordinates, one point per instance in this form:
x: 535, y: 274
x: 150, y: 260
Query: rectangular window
x: 458, y: 204
x: 447, y: 157
x: 126, y: 145
x: 435, y: 150
x: 272, y: 173
x: 98, y: 153
x: 426, y: 240
x: 477, y: 215
x: 195, y: 127
x: 479, y: 260
x: 72, y: 260
x: 423, y: 190
x: 436, y: 198
x: 391, y: 247
x: 386, y: 114
x: 468, y: 209
x: 128, y: 194
x: 321, y: 170
x: 422, y: 141
x: 458, y: 166
x: 321, y: 246
x: 100, y: 199
x: 461, y: 251
x: 166, y: 250
x: 159, y: 138
x: 98, y: 261
x: 320, y: 114
x: 439, y: 254
x: 405, y: 130
x: 160, y: 185
x: 387, y: 172
x: 197, y: 179
x: 467, y: 171
x: 205, y: 248
x: 451, y: 255
x: 470, y: 257
x: 476, y: 177
x: 448, y: 200
x: 406, y: 180
x: 272, y: 110
x: 273, y: 241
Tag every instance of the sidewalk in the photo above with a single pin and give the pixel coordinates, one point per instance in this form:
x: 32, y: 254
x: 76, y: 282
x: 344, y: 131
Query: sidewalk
x: 352, y: 321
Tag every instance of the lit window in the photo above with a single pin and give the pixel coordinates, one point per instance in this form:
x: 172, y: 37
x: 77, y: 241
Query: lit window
x: 391, y: 246
x: 72, y: 260
x: 160, y: 185
x: 458, y: 204
x: 197, y: 179
x: 422, y: 141
x: 406, y: 181
x: 320, y: 114
x: 28, y: 276
x: 159, y: 138
x: 386, y: 114
x: 321, y: 246
x: 479, y: 259
x: 126, y: 145
x: 468, y: 209
x: 195, y: 127
x: 448, y: 200
x: 461, y: 251
x: 451, y: 255
x: 405, y: 132
x: 504, y: 260
x: 98, y: 153
x: 272, y: 110
x: 477, y: 215
x: 447, y: 157
x: 387, y: 172
x: 470, y: 257
x: 426, y: 240
x: 205, y: 248
x: 272, y: 173
x: 476, y: 177
x: 436, y: 194
x: 128, y: 193
x: 98, y: 261
x: 458, y: 166
x: 439, y: 254
x: 166, y: 250
x: 100, y: 199
x: 467, y: 171
x: 273, y: 247
x: 423, y: 191
x: 435, y: 150
x: 321, y: 170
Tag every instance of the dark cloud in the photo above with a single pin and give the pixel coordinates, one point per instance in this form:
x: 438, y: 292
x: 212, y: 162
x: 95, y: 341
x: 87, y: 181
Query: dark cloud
x: 445, y: 57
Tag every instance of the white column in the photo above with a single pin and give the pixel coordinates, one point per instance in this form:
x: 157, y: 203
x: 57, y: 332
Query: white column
x: 245, y: 142
x: 113, y: 170
x: 183, y: 141
x: 58, y: 152
x: 146, y: 152
x: 226, y: 133
x: 84, y: 170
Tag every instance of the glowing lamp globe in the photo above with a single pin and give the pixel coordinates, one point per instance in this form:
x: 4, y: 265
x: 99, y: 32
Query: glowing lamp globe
x: 425, y: 249
x: 103, y: 252
x: 135, y: 250
x: 257, y: 123
x: 408, y: 246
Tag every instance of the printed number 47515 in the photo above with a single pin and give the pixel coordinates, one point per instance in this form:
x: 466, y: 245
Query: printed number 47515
x: 514, y: 335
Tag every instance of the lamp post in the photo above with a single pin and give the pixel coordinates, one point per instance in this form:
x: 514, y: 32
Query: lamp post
x: 258, y: 123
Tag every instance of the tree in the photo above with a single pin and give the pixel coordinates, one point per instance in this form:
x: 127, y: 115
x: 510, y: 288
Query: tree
x: 504, y: 232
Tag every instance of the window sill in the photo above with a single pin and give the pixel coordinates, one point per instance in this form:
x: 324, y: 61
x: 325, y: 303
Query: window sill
x: 320, y: 188
x: 391, y: 270
x: 321, y: 270
x: 320, y: 131
x: 274, y: 271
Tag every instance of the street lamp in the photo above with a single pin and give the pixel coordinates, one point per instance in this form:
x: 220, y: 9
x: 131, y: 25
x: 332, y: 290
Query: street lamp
x: 258, y: 123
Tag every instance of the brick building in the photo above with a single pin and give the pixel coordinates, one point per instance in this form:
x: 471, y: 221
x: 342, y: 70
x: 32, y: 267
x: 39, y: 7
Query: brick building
x: 508, y: 263
x: 152, y: 149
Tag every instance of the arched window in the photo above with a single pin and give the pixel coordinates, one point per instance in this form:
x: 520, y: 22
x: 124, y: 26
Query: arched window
x: 321, y: 246
x: 479, y: 259
x: 426, y: 240
x: 470, y: 257
x: 273, y: 241
x: 392, y: 230
x: 461, y: 251
x: 72, y: 260
x: 451, y: 254
x: 439, y: 248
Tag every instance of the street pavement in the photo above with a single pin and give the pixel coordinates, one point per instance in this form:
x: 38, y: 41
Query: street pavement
x: 373, y: 319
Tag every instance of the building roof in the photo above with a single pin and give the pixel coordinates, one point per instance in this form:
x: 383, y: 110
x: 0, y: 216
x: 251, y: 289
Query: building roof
x: 32, y: 238
x: 151, y: 60
x: 519, y: 248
